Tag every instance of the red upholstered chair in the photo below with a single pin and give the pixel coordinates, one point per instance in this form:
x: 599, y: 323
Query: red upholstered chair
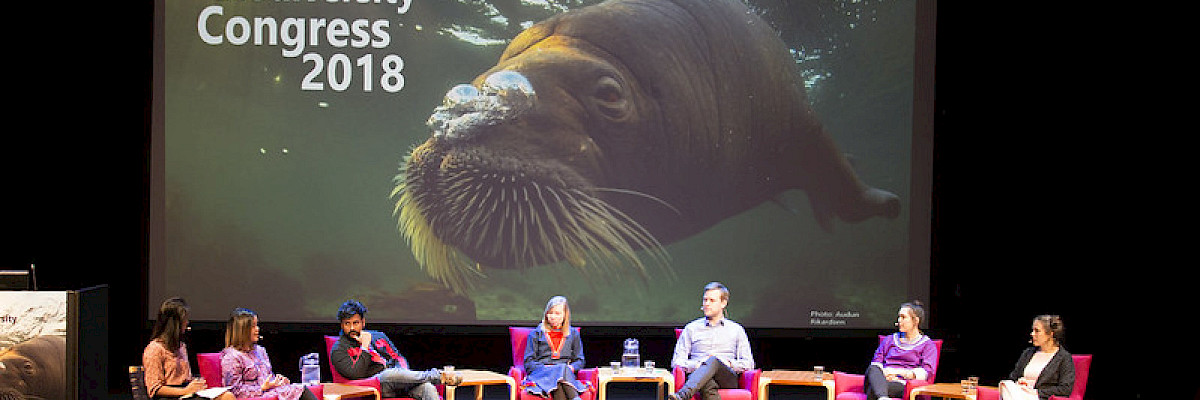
x: 210, y: 369
x: 987, y: 393
x: 519, y: 337
x: 848, y: 386
x: 371, y: 381
x: 1083, y: 365
x: 747, y: 386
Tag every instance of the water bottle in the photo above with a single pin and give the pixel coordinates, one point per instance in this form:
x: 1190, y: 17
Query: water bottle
x: 630, y: 358
x: 310, y: 369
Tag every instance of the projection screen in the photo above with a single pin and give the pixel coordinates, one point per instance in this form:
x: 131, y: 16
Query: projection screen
x: 282, y: 130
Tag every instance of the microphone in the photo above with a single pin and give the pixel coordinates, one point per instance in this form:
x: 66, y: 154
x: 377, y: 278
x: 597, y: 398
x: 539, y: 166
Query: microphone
x: 33, y: 275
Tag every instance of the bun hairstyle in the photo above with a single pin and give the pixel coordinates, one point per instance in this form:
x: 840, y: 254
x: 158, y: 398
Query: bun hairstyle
x: 916, y: 309
x: 1053, y: 324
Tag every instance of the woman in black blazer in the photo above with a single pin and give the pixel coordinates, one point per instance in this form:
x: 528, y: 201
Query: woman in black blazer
x: 1044, y: 370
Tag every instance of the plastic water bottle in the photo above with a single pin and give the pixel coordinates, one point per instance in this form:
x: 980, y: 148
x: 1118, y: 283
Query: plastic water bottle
x: 310, y: 369
x: 630, y: 358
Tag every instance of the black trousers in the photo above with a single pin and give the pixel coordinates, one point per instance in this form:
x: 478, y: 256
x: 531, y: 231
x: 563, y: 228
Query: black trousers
x: 712, y: 374
x: 876, y: 385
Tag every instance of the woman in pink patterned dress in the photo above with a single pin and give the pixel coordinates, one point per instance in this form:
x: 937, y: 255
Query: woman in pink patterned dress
x: 245, y: 367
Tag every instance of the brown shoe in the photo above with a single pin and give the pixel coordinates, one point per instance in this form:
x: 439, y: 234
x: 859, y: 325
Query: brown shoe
x: 451, y: 378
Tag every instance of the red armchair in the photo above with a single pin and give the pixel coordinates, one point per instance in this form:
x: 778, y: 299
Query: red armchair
x: 518, y: 337
x: 848, y: 386
x: 372, y: 381
x: 210, y: 369
x: 747, y: 386
x: 1083, y: 365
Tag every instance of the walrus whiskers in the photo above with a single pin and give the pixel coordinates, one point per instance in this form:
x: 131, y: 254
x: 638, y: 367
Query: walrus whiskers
x: 640, y: 194
x: 526, y: 224
x: 451, y: 269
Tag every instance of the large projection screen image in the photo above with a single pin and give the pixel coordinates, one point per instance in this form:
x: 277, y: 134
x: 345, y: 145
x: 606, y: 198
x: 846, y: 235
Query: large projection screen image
x: 462, y: 161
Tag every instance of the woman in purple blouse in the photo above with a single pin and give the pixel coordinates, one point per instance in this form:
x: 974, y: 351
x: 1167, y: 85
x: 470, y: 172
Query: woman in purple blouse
x: 902, y: 356
x: 245, y: 367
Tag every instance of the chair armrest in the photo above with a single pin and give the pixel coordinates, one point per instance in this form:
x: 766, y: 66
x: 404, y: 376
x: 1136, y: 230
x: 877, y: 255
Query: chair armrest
x: 590, y: 376
x: 846, y: 382
x: 750, y: 382
x: 911, y: 384
x: 987, y: 393
x: 372, y: 382
x: 750, y: 379
x: 317, y: 390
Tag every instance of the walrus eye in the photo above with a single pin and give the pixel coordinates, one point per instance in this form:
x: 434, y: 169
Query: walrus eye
x: 609, y: 98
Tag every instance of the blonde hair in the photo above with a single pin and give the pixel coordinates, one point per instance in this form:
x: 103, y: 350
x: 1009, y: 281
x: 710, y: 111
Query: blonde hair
x: 566, y: 325
x: 239, y: 328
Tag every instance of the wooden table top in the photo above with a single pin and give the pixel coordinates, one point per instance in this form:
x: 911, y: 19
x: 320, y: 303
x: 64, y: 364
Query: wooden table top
x: 475, y: 377
x: 343, y: 390
x: 784, y: 376
x: 947, y: 390
x: 607, y: 373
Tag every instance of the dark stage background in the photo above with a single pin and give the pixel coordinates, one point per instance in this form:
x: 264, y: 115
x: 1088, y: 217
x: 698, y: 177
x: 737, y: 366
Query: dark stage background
x: 1030, y: 214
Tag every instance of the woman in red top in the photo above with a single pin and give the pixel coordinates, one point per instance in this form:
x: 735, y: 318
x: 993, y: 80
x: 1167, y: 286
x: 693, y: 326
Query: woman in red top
x: 553, y: 354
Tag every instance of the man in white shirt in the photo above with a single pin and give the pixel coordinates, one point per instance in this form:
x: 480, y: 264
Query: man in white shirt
x: 712, y: 349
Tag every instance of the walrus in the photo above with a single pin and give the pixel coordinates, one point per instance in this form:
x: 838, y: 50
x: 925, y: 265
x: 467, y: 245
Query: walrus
x: 617, y: 128
x: 34, y: 369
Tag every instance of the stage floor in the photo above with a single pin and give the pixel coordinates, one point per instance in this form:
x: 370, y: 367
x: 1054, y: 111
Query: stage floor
x: 623, y: 391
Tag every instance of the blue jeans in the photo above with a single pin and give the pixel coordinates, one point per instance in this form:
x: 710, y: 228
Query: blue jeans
x: 400, y: 382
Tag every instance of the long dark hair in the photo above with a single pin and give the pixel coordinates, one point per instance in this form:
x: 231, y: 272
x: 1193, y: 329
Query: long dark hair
x: 168, y: 327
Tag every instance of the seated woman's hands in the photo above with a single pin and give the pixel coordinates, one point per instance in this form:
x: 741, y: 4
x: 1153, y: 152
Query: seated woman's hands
x: 196, y: 385
x: 894, y: 374
x: 274, y: 382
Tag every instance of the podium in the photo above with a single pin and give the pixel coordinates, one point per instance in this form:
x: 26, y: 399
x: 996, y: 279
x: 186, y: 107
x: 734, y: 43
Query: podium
x: 54, y: 344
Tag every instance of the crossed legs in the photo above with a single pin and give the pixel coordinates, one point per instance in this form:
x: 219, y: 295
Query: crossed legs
x: 711, y: 375
x: 877, y: 386
x: 400, y: 382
